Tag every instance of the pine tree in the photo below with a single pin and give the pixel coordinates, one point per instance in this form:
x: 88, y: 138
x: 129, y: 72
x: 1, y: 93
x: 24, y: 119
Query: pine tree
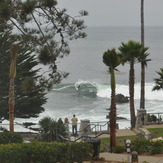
x: 45, y: 28
x: 29, y: 92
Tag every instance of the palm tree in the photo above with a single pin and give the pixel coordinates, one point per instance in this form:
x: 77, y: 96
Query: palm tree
x: 143, y: 63
x: 52, y: 130
x: 13, y: 56
x: 130, y: 52
x: 112, y: 60
x: 158, y: 81
x: 142, y: 91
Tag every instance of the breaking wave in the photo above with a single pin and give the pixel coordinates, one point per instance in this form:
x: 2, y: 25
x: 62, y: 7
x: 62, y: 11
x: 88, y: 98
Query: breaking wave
x: 92, y: 89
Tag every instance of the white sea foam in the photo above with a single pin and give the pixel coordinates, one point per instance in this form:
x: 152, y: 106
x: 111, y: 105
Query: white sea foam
x: 105, y: 91
x: 82, y: 82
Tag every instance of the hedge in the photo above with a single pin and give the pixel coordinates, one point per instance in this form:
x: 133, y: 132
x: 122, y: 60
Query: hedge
x: 7, y: 137
x: 45, y: 152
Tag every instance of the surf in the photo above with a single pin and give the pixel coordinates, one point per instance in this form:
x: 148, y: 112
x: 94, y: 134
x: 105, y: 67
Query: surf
x: 94, y: 89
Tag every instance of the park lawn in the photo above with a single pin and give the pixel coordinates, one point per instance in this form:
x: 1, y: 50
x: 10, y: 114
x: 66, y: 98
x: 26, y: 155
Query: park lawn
x: 157, y: 131
x: 120, y: 140
x: 104, y: 145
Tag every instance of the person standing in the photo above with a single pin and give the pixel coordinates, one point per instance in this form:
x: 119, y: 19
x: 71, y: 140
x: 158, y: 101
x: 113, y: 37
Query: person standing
x: 74, y: 125
x: 60, y: 121
x: 66, y: 122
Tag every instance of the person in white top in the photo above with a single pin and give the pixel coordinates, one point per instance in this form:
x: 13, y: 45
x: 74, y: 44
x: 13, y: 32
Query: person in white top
x: 74, y: 125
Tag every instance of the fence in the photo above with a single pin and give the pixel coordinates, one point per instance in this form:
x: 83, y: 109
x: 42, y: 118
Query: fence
x: 155, y: 118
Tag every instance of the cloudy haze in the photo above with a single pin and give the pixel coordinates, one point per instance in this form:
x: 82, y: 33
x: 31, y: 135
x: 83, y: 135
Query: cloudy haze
x: 116, y: 12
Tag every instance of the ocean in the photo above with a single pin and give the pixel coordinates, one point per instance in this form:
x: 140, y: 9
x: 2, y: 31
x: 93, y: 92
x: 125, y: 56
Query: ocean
x: 86, y: 91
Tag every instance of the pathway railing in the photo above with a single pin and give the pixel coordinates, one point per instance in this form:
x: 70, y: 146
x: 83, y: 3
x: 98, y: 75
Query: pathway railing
x: 155, y: 118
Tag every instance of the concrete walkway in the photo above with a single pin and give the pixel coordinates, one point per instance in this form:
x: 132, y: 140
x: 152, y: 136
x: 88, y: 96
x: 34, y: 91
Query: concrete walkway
x: 123, y: 132
x: 128, y: 132
x: 124, y: 157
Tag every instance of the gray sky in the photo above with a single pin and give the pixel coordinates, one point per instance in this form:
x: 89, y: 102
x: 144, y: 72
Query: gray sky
x: 116, y: 12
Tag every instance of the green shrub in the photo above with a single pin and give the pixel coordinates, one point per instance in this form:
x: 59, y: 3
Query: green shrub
x: 7, y: 137
x: 52, y: 130
x: 142, y: 145
x: 45, y: 152
x: 152, y: 118
x: 156, y: 147
x: 119, y: 149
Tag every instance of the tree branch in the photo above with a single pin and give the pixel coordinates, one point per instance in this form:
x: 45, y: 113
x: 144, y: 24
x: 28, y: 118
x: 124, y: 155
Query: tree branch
x: 17, y: 27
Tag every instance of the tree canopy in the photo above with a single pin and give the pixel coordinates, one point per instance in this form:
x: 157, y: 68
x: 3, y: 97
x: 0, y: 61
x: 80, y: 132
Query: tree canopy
x: 159, y: 81
x: 43, y: 31
x: 29, y: 92
x: 45, y: 28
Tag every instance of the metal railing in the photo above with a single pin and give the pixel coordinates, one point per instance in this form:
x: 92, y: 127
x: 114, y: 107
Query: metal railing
x: 155, y: 118
x: 96, y: 131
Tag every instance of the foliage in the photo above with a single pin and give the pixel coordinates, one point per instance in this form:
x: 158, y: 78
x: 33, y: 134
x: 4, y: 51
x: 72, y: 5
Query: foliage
x: 142, y: 145
x: 7, y: 137
x: 29, y: 92
x: 111, y: 59
x: 152, y: 118
x: 45, y: 152
x: 45, y: 28
x: 119, y: 149
x: 156, y: 147
x: 52, y: 130
x: 130, y: 51
x: 158, y: 81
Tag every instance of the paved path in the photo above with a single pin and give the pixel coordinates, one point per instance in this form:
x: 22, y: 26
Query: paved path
x: 153, y: 126
x: 123, y: 132
x: 128, y: 132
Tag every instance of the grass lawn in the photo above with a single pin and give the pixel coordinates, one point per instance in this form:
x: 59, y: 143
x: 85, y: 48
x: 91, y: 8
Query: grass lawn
x: 120, y: 140
x: 157, y: 131
x: 104, y: 145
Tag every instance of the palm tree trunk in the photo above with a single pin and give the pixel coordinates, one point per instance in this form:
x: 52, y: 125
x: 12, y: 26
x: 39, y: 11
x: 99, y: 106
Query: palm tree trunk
x: 142, y: 98
x: 113, y: 113
x: 142, y: 22
x: 142, y: 92
x: 131, y: 92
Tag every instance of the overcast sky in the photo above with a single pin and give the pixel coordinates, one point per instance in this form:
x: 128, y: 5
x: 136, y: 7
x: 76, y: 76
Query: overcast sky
x: 116, y: 12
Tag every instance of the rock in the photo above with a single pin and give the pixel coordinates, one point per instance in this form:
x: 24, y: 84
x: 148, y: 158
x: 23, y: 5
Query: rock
x: 120, y: 98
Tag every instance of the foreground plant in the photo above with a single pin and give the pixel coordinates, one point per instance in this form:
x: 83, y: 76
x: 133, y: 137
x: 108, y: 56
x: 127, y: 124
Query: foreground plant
x: 52, y: 130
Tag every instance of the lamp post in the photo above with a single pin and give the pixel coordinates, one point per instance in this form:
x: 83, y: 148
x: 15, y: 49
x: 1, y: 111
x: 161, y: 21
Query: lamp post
x: 128, y: 145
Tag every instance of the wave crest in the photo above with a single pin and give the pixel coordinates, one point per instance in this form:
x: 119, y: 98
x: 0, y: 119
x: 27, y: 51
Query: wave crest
x: 92, y: 89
